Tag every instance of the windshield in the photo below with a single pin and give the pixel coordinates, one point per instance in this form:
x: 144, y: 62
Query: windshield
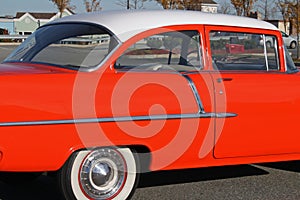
x: 66, y: 45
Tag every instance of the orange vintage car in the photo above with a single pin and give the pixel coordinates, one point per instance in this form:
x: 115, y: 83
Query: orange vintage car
x: 100, y: 98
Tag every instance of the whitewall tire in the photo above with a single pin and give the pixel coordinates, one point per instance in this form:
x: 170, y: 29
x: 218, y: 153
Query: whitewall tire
x: 101, y: 173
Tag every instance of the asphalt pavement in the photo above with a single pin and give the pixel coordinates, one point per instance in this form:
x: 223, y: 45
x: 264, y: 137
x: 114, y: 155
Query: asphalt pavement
x: 280, y: 181
x: 5, y: 50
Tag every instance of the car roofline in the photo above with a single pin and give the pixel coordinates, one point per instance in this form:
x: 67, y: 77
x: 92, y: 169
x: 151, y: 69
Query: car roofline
x: 126, y: 24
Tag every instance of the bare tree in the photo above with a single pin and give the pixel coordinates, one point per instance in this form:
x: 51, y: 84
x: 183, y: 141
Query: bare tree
x: 288, y: 10
x: 62, y: 5
x: 92, y: 5
x: 171, y: 4
x: 225, y: 7
x: 193, y: 4
x: 243, y: 7
x: 267, y: 8
x: 238, y: 5
x: 132, y: 4
x: 181, y: 4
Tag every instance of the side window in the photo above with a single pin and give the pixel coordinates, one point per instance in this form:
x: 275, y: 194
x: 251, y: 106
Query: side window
x: 271, y: 53
x: 178, y: 50
x: 243, y: 51
x: 90, y: 51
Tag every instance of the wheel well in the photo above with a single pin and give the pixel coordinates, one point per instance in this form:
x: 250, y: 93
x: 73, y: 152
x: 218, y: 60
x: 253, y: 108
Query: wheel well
x: 144, y: 155
x: 142, y: 152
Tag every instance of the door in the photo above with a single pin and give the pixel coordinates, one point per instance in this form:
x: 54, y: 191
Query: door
x: 250, y: 81
x: 158, y: 78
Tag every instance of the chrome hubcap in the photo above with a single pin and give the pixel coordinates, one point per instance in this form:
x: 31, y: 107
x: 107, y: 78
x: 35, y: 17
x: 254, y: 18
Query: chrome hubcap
x: 102, y: 174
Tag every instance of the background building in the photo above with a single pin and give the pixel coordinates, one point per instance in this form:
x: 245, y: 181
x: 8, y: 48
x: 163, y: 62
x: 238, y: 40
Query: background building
x: 283, y: 26
x: 26, y: 23
x: 209, y: 6
x: 7, y: 25
x: 204, y: 6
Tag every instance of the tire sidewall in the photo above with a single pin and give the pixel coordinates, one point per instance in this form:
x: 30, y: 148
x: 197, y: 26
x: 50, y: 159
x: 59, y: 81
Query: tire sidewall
x: 130, y: 181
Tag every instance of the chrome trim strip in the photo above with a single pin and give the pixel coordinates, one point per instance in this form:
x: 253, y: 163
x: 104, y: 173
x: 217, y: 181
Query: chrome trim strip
x: 265, y: 51
x: 195, y: 92
x: 119, y: 119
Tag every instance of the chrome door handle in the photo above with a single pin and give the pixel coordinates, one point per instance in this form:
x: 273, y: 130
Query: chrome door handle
x: 220, y: 80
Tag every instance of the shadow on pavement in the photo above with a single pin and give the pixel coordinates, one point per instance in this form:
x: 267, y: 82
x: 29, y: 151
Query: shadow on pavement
x: 196, y: 175
x: 292, y: 166
x: 42, y: 188
x: 45, y: 187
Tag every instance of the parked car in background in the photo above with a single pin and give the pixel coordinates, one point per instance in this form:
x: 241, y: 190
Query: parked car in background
x: 289, y: 41
x: 100, y: 98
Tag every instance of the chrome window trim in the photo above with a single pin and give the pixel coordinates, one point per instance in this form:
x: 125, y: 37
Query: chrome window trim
x: 277, y: 55
x: 275, y: 45
x: 196, y: 94
x: 265, y: 51
x: 284, y: 59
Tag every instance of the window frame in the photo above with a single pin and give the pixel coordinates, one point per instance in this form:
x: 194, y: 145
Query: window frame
x: 155, y: 31
x: 275, y: 33
x: 87, y: 69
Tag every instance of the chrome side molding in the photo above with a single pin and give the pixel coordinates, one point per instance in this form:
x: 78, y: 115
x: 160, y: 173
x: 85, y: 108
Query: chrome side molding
x: 119, y: 119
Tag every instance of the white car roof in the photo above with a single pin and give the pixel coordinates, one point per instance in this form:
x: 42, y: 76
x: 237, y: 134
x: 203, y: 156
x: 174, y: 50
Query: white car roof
x: 126, y: 24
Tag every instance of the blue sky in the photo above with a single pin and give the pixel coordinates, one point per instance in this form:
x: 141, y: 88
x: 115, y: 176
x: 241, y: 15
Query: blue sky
x: 10, y: 7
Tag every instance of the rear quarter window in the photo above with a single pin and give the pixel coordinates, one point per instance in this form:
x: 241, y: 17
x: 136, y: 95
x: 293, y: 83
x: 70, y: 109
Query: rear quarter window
x: 243, y: 51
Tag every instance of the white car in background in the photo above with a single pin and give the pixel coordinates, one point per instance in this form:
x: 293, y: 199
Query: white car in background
x: 289, y: 41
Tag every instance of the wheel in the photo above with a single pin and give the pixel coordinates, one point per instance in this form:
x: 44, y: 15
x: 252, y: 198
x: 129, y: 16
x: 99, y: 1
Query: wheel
x: 102, y: 173
x: 293, y: 45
